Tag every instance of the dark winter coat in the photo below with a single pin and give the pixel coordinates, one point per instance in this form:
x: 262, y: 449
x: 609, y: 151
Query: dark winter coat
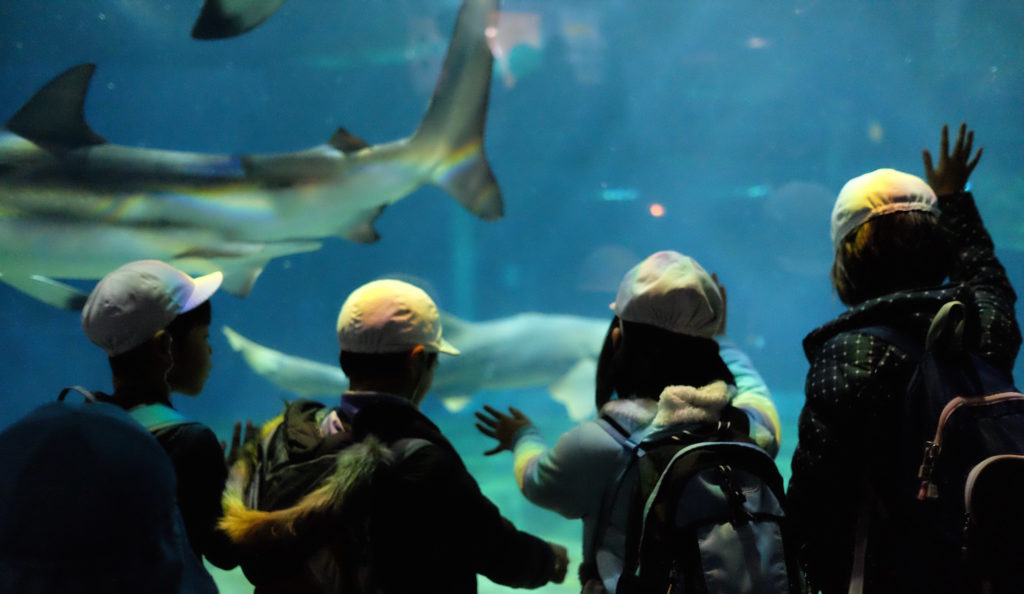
x: 432, y: 530
x: 850, y: 424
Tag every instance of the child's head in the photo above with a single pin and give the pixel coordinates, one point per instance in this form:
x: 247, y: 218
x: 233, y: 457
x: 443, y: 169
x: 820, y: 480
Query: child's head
x: 668, y: 310
x: 887, y: 237
x: 130, y: 311
x: 190, y: 350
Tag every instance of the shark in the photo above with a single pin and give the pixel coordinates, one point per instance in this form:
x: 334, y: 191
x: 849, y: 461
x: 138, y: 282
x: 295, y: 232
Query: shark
x: 527, y: 350
x: 75, y: 206
x: 222, y: 19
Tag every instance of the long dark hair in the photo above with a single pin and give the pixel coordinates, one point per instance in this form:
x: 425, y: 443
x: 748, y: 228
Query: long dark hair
x: 649, y: 359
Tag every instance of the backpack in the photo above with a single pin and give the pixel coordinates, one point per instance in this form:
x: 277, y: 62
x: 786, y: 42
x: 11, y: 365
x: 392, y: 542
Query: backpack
x: 963, y: 463
x: 154, y: 417
x: 707, y: 514
x: 329, y: 549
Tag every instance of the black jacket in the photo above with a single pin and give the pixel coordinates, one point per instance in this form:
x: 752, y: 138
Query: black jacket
x: 850, y: 424
x: 436, y: 530
x: 201, y: 473
x: 199, y: 465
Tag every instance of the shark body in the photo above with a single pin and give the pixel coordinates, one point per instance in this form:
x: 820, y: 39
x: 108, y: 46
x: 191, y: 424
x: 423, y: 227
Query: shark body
x: 558, y: 352
x: 75, y: 206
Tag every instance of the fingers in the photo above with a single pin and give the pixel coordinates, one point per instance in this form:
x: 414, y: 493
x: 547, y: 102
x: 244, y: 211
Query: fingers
x: 944, y: 144
x: 974, y: 162
x: 517, y: 413
x: 487, y: 431
x: 223, y: 446
x: 959, y: 145
x: 493, y: 451
x: 489, y: 421
x: 250, y: 432
x: 497, y: 414
x: 236, y: 435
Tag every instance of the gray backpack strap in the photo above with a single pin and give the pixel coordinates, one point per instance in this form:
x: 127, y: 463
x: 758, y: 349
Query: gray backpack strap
x: 157, y: 416
x: 403, y: 448
x: 89, y: 396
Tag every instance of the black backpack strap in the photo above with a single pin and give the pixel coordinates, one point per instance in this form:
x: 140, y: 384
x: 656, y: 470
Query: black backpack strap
x: 89, y: 396
x: 914, y: 348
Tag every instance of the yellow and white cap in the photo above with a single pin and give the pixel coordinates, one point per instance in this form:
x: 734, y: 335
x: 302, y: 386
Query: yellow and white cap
x: 881, y: 192
x: 390, y: 316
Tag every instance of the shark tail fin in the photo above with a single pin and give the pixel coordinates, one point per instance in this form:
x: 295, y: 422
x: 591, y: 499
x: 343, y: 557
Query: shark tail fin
x: 452, y: 131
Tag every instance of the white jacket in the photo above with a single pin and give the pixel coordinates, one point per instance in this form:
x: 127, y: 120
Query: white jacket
x: 572, y: 477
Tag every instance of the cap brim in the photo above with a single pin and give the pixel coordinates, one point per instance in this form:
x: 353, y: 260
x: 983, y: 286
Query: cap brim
x: 204, y: 288
x: 447, y: 348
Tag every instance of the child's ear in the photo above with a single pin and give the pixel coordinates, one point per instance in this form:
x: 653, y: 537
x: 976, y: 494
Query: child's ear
x: 163, y: 341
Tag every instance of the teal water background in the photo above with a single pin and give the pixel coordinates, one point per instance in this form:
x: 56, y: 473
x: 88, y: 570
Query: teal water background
x: 742, y: 119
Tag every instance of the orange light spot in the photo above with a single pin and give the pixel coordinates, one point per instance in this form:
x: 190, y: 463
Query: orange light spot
x: 657, y: 210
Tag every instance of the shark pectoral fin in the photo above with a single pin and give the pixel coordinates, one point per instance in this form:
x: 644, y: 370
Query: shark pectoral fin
x: 575, y: 389
x: 346, y: 142
x: 467, y: 176
x: 454, y: 404
x: 53, y: 118
x: 364, y: 232
x: 47, y: 290
x: 241, y: 262
x: 239, y: 282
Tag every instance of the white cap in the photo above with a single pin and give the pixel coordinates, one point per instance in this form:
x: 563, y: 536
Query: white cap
x: 131, y: 304
x: 881, y: 192
x: 671, y: 291
x: 390, y: 316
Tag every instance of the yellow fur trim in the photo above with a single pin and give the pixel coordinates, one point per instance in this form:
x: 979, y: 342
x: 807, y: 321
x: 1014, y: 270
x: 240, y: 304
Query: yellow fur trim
x: 354, y: 467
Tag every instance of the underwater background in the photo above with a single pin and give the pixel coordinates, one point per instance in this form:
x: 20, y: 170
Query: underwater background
x: 616, y: 128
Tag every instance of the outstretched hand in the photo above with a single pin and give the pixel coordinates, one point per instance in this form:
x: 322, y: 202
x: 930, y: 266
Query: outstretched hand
x: 561, y: 563
x: 501, y: 427
x: 237, y: 441
x: 950, y: 175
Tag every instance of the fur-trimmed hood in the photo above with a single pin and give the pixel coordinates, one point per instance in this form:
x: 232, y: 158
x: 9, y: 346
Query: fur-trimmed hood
x: 676, y: 405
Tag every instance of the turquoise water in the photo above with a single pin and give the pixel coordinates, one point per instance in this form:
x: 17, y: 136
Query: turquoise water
x: 736, y: 123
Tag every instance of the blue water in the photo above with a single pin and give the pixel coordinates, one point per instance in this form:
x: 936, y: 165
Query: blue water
x: 740, y: 119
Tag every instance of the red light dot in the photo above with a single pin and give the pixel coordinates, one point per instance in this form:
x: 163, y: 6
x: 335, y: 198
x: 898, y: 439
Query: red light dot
x: 657, y: 210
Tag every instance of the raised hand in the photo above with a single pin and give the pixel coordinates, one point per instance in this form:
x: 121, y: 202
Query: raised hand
x: 237, y: 441
x: 501, y: 427
x: 950, y: 174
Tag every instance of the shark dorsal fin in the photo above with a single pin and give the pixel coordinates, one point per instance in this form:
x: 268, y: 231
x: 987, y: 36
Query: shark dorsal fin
x: 347, y: 142
x: 53, y: 118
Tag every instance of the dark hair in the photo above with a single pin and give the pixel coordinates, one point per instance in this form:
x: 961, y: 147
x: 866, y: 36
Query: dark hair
x: 650, y: 359
x: 895, y: 252
x: 195, y: 317
x: 130, y: 363
x: 362, y: 366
